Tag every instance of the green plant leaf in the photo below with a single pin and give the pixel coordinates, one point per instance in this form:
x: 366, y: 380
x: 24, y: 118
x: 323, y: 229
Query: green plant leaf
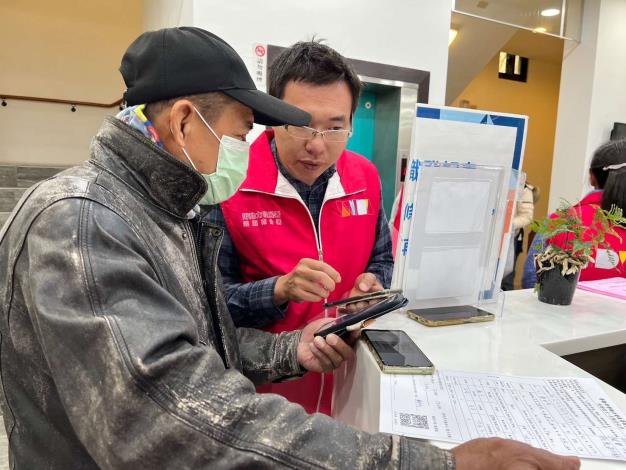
x: 580, y: 240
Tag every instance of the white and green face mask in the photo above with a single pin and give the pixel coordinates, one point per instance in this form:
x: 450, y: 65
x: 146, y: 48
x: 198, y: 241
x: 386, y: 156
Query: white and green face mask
x: 231, y: 170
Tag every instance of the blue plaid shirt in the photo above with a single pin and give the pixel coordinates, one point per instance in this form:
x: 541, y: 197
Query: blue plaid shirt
x: 251, y: 304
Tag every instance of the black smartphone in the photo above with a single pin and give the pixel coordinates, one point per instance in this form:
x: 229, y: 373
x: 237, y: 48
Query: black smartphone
x: 396, y: 353
x: 355, y: 321
x: 381, y: 294
x: 443, y: 316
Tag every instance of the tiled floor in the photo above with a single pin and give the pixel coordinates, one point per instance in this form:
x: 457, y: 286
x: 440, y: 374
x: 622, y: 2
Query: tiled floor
x: 14, y: 180
x: 13, y: 176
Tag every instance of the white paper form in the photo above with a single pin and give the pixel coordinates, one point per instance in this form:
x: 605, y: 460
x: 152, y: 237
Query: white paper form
x: 569, y: 416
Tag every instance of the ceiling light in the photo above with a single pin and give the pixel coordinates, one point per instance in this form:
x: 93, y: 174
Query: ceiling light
x: 550, y: 12
x: 541, y: 29
x: 452, y: 36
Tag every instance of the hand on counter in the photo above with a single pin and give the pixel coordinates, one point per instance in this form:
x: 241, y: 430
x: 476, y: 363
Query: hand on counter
x: 323, y: 355
x: 504, y: 454
x: 309, y: 281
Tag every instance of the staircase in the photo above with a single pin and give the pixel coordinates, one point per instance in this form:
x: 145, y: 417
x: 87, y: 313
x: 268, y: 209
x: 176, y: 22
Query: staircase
x: 15, y: 180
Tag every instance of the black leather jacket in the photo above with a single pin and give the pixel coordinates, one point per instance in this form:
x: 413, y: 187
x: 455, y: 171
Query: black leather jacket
x: 116, y: 353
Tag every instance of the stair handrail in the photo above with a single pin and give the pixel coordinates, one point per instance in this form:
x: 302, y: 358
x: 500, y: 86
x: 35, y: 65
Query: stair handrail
x: 4, y: 98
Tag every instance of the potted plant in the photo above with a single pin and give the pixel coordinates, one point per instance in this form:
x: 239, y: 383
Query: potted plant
x: 567, y: 246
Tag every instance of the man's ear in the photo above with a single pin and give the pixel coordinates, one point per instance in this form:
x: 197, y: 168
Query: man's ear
x: 180, y: 119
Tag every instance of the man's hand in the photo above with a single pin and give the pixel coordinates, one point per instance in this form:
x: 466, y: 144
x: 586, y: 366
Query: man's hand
x: 504, y: 454
x: 309, y: 281
x: 365, y: 283
x: 323, y: 355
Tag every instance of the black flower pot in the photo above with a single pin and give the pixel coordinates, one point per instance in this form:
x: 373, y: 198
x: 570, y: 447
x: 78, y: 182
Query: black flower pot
x: 556, y: 289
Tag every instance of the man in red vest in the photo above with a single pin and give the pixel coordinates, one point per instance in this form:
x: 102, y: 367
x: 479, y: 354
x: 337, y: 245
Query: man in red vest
x: 307, y: 225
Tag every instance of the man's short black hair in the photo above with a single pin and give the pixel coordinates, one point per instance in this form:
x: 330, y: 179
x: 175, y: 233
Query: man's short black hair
x: 210, y: 105
x: 314, y: 63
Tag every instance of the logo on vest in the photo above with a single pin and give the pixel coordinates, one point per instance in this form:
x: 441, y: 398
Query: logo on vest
x: 261, y: 218
x: 354, y: 207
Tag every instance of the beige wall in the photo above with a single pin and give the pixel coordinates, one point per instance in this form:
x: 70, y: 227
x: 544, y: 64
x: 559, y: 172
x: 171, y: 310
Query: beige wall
x: 167, y: 14
x: 538, y: 99
x: 64, y: 49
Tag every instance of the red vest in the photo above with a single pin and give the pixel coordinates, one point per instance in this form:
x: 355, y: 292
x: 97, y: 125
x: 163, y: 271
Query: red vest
x: 605, y: 266
x: 273, y: 230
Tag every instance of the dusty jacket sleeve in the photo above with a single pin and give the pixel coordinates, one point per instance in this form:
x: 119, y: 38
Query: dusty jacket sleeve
x: 268, y: 357
x: 139, y: 390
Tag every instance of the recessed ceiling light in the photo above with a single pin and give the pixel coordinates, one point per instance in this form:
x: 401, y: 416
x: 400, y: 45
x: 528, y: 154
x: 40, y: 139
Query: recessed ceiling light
x: 550, y: 12
x: 541, y: 29
x: 452, y: 36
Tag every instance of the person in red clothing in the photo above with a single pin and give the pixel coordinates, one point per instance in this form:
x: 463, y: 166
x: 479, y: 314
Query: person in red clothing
x: 307, y: 225
x: 607, y: 175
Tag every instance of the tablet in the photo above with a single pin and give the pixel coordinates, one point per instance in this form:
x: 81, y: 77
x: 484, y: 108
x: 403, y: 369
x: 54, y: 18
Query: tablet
x: 354, y: 321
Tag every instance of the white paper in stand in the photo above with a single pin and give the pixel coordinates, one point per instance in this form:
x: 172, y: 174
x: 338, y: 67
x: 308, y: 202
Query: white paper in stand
x: 568, y: 416
x: 454, y: 213
x: 459, y: 135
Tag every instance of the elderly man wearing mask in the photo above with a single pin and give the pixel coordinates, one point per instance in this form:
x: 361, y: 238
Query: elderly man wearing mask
x: 117, y: 347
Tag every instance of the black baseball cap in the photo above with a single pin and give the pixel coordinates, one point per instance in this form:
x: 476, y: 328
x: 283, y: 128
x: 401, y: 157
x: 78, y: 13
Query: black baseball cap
x: 172, y: 62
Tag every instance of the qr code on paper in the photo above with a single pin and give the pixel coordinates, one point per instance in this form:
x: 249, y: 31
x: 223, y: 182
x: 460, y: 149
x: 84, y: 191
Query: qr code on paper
x: 414, y: 421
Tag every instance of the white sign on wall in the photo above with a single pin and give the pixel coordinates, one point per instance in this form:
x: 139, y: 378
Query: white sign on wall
x: 259, y: 60
x: 257, y: 66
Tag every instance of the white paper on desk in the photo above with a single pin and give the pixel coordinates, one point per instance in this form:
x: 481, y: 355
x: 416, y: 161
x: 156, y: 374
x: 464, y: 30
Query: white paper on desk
x: 569, y: 416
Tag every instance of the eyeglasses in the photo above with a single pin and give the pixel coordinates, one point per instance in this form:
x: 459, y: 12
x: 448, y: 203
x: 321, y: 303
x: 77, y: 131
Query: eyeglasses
x: 308, y: 133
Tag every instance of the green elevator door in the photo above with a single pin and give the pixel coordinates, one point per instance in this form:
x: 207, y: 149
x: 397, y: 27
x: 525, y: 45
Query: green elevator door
x: 375, y: 134
x: 363, y: 126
